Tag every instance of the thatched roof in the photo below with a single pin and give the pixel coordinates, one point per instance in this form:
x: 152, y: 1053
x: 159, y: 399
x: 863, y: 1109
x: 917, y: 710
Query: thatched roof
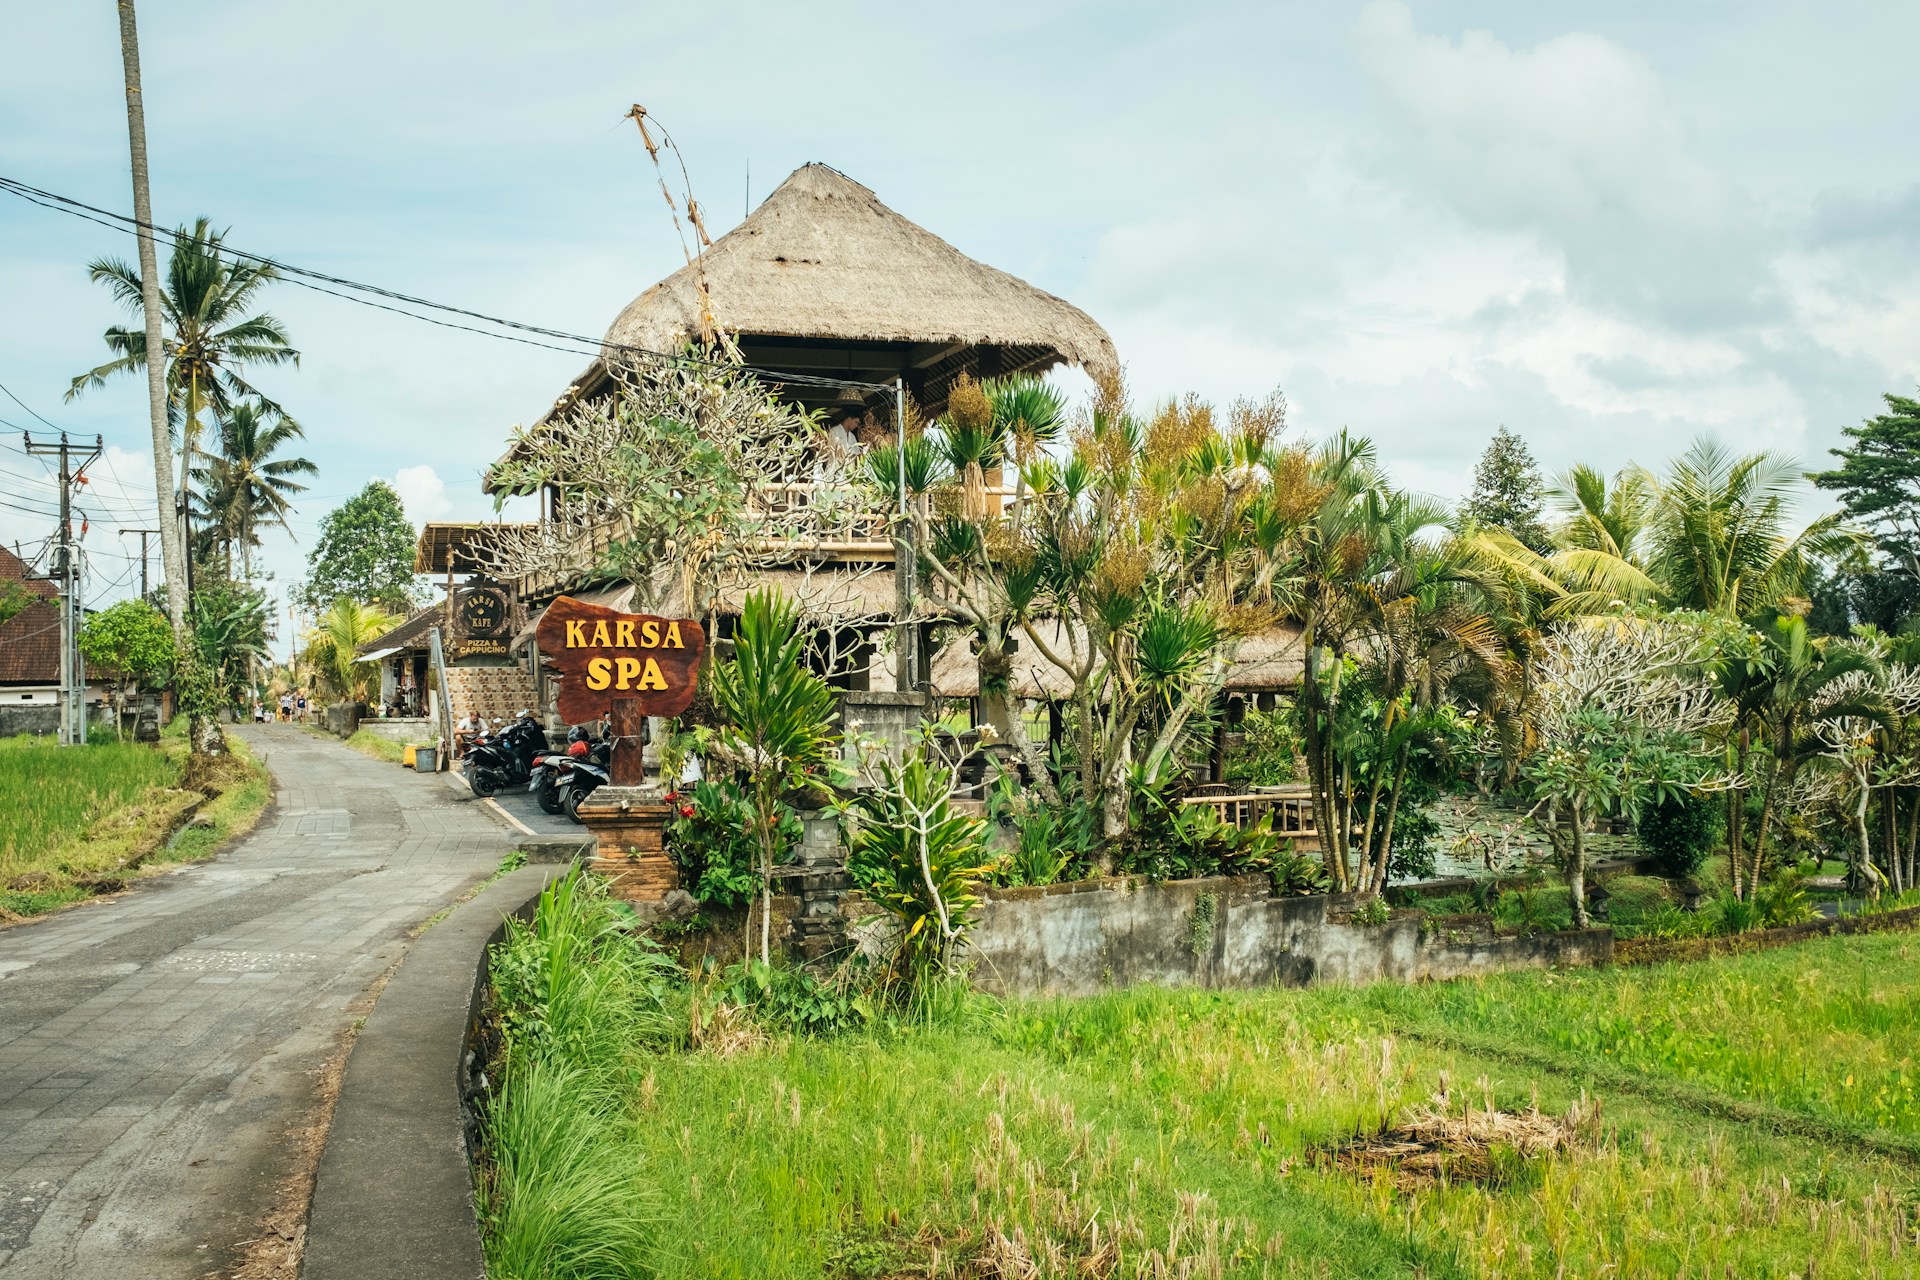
x: 822, y: 258
x: 1268, y: 662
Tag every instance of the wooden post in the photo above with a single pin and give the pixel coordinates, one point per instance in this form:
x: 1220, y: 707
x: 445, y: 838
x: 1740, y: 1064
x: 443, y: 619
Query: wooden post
x: 628, y: 767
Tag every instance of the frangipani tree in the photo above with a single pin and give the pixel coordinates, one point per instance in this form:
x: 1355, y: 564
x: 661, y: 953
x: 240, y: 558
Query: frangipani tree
x: 690, y: 481
x: 1854, y: 718
x: 1624, y: 711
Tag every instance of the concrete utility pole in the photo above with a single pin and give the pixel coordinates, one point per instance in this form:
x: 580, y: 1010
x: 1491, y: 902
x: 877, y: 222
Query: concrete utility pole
x: 143, y: 555
x: 66, y: 568
x: 173, y: 546
x: 906, y: 668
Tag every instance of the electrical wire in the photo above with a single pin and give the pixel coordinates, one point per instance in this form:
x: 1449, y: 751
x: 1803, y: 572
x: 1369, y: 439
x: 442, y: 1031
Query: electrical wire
x: 23, y: 404
x: 319, y: 281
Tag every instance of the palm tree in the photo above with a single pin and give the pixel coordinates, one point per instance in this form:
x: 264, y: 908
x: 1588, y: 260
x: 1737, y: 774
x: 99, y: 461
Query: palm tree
x: 173, y: 550
x: 244, y: 485
x: 210, y: 338
x: 333, y: 643
x: 1719, y: 538
x: 1600, y: 557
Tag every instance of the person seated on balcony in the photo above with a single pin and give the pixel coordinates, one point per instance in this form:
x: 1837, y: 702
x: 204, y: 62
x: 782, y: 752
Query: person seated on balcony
x: 842, y: 436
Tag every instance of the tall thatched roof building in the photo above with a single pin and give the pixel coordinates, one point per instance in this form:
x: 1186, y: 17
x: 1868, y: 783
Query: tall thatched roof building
x: 823, y: 279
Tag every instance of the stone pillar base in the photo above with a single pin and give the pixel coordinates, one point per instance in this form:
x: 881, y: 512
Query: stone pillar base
x: 628, y: 825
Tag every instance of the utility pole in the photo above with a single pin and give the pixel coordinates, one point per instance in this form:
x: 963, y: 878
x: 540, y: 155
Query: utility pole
x: 143, y: 555
x: 66, y: 568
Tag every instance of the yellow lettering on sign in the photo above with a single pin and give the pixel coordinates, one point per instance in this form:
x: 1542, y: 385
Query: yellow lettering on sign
x: 601, y: 640
x: 673, y: 636
x: 623, y: 633
x: 576, y: 634
x: 627, y: 668
x: 650, y: 634
x: 651, y: 678
x: 599, y: 673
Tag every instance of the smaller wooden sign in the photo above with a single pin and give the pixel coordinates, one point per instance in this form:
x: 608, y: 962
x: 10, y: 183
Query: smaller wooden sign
x: 645, y: 664
x: 483, y: 611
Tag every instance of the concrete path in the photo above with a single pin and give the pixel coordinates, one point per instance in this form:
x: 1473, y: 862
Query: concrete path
x: 156, y: 1049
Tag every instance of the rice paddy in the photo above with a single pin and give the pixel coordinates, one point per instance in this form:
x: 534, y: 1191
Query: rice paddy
x: 1158, y: 1133
x: 76, y: 821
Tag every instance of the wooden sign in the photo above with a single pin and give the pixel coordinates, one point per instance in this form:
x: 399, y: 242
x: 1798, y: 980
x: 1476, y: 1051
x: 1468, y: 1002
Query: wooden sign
x: 483, y: 611
x: 643, y: 665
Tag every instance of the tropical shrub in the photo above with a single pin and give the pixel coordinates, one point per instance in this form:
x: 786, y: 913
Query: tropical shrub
x: 1169, y: 840
x: 1269, y: 747
x: 917, y: 857
x: 1298, y: 875
x: 710, y: 839
x: 794, y: 1000
x: 1410, y: 850
x: 778, y: 730
x: 1053, y: 842
x: 1681, y: 830
x: 1783, y: 901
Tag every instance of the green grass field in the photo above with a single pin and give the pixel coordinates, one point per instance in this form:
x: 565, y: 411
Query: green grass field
x: 75, y: 821
x: 50, y: 794
x: 1755, y: 1118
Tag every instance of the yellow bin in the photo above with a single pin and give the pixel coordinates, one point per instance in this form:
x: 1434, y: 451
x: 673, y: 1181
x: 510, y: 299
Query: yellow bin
x: 406, y: 755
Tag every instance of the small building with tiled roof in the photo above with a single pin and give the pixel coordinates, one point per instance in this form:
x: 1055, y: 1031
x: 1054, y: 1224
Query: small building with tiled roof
x: 30, y: 650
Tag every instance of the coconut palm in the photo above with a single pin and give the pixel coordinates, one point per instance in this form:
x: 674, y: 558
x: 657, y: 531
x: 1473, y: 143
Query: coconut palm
x: 1719, y: 539
x: 211, y: 338
x: 334, y: 641
x: 1600, y: 556
x: 244, y: 485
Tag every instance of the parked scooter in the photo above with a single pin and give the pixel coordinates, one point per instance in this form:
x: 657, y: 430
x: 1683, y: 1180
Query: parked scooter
x: 505, y: 759
x: 552, y: 768
x: 587, y: 772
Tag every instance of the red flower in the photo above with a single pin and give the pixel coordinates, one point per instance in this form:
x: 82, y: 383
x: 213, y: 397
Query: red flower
x: 686, y: 811
x: 672, y: 796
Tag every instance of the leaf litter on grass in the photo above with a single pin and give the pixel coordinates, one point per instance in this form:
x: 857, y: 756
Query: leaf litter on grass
x: 1432, y: 1143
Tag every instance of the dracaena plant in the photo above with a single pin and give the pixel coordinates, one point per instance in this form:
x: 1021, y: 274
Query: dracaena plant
x: 779, y: 730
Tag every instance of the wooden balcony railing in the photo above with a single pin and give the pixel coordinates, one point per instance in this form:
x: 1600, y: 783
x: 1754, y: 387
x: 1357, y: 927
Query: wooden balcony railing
x: 1291, y: 807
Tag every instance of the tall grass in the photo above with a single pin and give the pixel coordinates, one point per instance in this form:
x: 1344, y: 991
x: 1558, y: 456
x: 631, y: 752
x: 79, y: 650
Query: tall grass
x: 578, y: 998
x: 50, y: 795
x: 1153, y: 1133
x: 1829, y: 1028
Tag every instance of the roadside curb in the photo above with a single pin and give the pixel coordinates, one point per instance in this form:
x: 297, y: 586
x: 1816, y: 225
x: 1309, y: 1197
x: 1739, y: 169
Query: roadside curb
x: 393, y: 1195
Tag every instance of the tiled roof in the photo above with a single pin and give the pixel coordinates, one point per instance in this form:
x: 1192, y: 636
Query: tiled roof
x: 30, y: 645
x: 30, y: 640
x: 14, y: 569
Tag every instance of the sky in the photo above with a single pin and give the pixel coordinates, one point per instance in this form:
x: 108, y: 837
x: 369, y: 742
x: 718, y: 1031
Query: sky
x: 1611, y: 228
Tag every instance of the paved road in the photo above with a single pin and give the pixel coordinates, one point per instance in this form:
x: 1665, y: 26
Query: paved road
x: 155, y: 1049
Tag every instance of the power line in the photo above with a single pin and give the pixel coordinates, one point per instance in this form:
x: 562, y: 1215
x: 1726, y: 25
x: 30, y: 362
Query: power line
x: 319, y: 280
x: 23, y: 404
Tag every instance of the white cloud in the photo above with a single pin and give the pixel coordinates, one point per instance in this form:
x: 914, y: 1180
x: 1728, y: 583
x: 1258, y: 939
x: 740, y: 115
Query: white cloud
x: 422, y: 492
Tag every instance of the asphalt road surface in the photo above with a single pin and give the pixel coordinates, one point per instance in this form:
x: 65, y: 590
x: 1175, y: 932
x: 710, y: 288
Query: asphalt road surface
x: 157, y: 1047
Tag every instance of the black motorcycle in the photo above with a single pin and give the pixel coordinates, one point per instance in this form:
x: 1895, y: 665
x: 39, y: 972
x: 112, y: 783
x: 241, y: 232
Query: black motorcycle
x: 505, y: 759
x: 587, y: 773
x: 552, y: 768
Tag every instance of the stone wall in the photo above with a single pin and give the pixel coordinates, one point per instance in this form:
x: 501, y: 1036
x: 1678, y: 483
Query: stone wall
x: 1079, y: 939
x: 403, y: 729
x: 892, y: 718
x: 44, y: 718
